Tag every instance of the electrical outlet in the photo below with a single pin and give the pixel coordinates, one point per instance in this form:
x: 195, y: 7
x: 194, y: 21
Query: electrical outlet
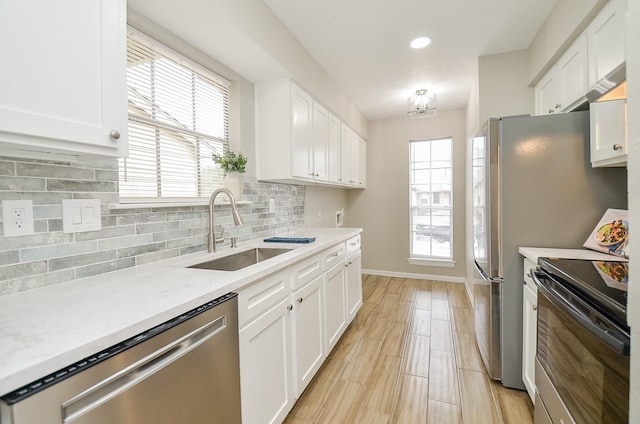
x: 17, y: 217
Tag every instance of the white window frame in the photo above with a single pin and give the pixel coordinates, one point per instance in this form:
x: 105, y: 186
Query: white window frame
x: 221, y: 143
x: 430, y: 260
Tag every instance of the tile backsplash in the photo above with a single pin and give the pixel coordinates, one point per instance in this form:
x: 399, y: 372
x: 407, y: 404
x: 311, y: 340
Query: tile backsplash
x: 129, y: 236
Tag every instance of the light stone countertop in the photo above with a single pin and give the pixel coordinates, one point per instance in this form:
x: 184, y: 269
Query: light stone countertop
x: 533, y: 253
x: 46, y: 329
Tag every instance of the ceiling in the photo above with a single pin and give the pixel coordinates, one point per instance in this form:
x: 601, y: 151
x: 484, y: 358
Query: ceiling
x: 363, y: 45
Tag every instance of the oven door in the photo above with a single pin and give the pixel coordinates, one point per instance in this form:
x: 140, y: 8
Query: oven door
x: 584, y: 355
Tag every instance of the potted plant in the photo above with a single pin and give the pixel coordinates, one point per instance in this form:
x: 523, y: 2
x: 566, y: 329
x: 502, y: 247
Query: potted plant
x: 233, y: 164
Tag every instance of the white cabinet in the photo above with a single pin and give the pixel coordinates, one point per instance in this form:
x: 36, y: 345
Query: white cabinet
x: 320, y: 152
x: 334, y: 149
x: 335, y: 308
x: 546, y: 93
x: 289, y: 321
x: 608, y: 121
x: 266, y: 367
x: 308, y: 332
x: 354, y: 276
x: 299, y: 141
x: 63, y: 79
x: 564, y: 86
x: 530, y: 331
x: 352, y: 158
x: 572, y: 75
x: 301, y: 133
x: 606, y: 34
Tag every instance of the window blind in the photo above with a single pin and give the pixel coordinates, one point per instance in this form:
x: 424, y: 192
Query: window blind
x: 178, y: 116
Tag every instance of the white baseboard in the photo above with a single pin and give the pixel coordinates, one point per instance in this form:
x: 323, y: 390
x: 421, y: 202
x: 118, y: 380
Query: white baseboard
x: 446, y: 278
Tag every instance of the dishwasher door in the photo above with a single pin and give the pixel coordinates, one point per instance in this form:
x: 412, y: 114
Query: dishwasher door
x: 185, y: 372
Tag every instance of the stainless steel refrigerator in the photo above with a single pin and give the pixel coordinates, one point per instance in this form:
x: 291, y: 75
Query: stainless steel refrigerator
x: 533, y: 185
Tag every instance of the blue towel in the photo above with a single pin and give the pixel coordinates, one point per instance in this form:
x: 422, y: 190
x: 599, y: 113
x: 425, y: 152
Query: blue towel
x: 290, y: 240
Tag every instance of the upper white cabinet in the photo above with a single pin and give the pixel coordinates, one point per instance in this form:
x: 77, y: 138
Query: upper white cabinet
x: 298, y: 140
x: 606, y: 40
x: 63, y: 79
x: 301, y: 133
x: 598, y: 51
x: 334, y: 149
x: 564, y: 86
x: 608, y: 121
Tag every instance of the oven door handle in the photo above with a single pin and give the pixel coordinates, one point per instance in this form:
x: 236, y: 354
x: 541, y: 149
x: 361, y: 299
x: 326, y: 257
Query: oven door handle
x: 614, y: 339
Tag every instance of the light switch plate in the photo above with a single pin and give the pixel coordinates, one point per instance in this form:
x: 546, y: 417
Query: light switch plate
x: 17, y: 217
x: 80, y: 215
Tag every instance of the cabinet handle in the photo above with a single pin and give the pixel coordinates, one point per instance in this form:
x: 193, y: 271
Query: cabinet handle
x: 115, y: 134
x: 534, y: 307
x: 558, y: 106
x: 300, y: 300
x: 550, y: 111
x: 334, y: 254
x: 290, y: 307
x: 617, y: 147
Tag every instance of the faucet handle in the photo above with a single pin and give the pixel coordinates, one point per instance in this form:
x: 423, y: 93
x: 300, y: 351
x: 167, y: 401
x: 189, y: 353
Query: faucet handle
x: 221, y: 238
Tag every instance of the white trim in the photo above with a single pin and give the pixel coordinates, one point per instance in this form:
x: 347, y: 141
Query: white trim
x: 447, y: 278
x: 444, y: 263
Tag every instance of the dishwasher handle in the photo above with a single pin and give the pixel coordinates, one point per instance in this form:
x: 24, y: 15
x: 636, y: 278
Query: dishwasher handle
x: 140, y: 370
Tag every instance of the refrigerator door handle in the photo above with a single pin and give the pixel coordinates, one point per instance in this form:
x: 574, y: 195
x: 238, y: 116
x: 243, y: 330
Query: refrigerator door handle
x: 484, y: 275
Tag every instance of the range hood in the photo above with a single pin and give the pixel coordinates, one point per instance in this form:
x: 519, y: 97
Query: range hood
x: 612, y: 87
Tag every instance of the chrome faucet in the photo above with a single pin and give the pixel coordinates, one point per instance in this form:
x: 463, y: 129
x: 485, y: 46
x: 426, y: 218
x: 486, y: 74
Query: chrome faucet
x: 237, y: 219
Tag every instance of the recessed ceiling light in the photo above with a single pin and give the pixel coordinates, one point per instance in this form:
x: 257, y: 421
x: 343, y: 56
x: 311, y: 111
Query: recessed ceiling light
x: 420, y: 42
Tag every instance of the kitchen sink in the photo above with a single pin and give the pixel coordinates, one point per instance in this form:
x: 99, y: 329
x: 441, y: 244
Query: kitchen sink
x: 241, y: 260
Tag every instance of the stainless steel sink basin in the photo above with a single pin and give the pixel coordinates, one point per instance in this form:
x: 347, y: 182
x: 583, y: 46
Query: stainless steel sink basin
x: 241, y: 260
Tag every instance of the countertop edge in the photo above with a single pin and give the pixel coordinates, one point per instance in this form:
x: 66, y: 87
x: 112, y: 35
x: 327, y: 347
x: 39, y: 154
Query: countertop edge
x: 534, y: 253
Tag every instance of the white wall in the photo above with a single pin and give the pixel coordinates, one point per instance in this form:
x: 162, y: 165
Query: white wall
x: 323, y: 202
x: 633, y: 168
x: 383, y: 208
x: 503, y: 85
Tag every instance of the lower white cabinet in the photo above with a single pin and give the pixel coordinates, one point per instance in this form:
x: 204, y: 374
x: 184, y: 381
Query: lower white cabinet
x: 530, y: 330
x: 266, y: 367
x: 308, y: 332
x: 289, y: 322
x: 354, y: 283
x: 335, y: 306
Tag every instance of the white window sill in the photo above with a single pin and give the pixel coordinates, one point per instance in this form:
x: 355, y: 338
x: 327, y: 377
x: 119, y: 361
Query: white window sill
x: 443, y: 263
x: 172, y: 205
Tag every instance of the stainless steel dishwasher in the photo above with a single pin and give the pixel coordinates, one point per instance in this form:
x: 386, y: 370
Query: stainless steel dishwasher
x: 185, y: 370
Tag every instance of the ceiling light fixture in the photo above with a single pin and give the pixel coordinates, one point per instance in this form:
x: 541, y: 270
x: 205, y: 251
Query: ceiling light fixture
x: 422, y: 105
x: 420, y: 42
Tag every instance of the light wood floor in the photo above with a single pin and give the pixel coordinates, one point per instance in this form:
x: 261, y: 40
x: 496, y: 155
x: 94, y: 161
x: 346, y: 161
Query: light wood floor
x: 409, y: 357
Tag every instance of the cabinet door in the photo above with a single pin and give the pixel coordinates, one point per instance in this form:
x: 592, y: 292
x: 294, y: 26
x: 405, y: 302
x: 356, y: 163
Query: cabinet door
x: 606, y: 35
x: 308, y: 333
x: 301, y: 133
x: 334, y: 149
x: 546, y: 93
x: 335, y: 305
x: 608, y: 121
x: 345, y: 154
x: 266, y: 367
x: 63, y: 79
x: 320, y: 169
x: 572, y: 74
x: 530, y: 316
x: 354, y: 284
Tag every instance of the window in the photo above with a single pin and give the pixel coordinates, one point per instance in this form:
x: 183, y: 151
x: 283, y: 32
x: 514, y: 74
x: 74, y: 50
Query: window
x: 430, y: 197
x: 178, y: 116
